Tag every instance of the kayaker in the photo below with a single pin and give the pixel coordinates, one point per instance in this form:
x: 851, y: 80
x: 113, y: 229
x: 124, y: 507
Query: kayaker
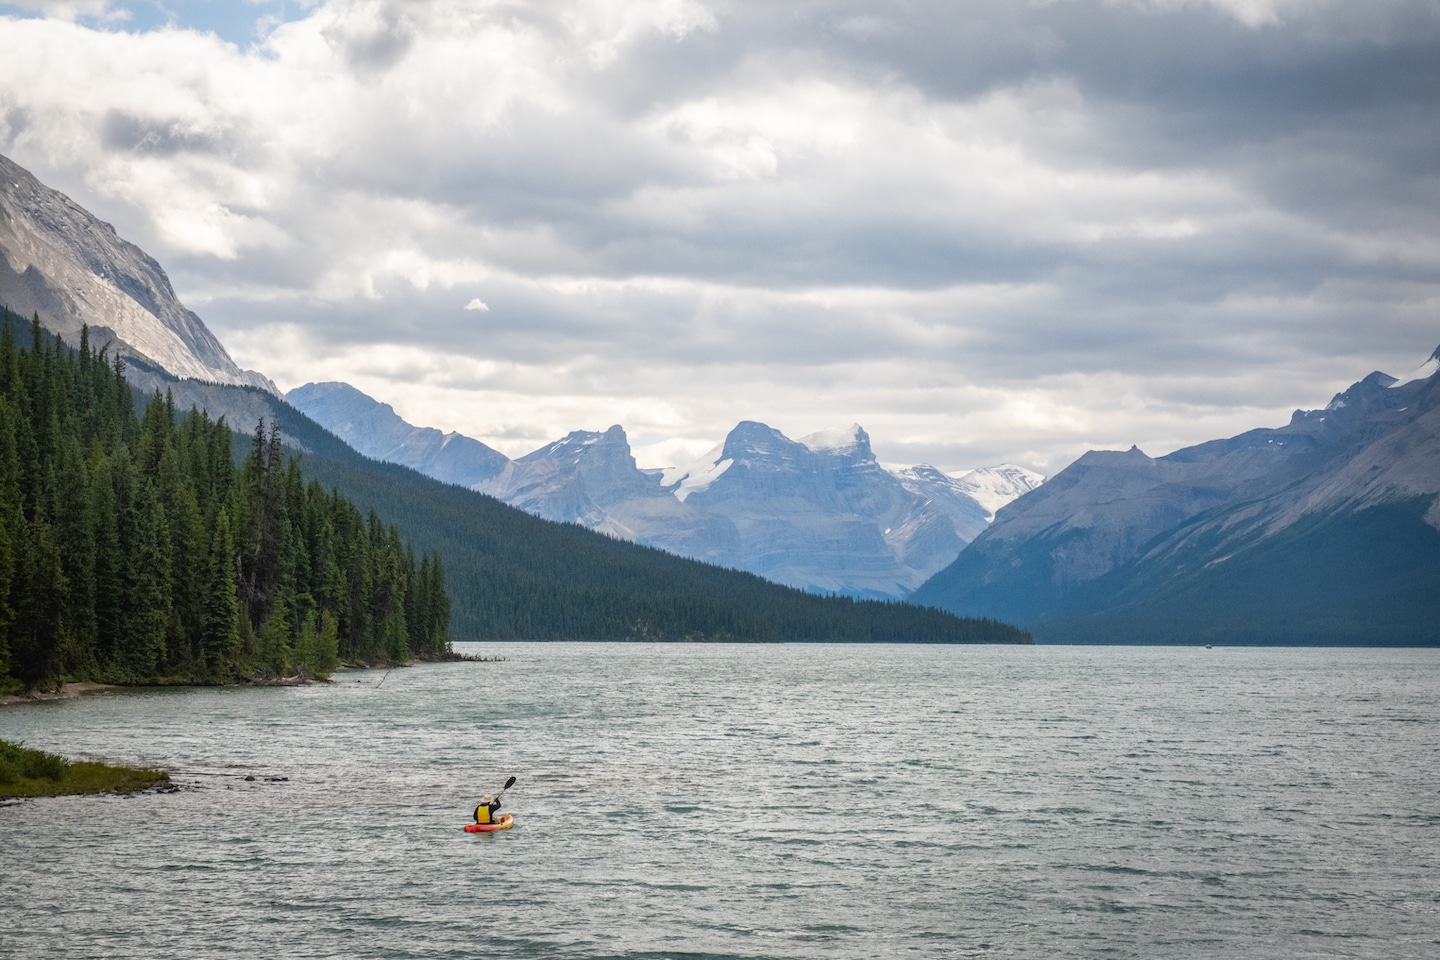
x: 485, y: 812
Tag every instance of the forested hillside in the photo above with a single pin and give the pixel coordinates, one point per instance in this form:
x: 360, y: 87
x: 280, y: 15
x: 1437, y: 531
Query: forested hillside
x: 133, y: 549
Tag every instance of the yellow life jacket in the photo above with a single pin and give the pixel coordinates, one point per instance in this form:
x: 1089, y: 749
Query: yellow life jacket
x: 482, y: 813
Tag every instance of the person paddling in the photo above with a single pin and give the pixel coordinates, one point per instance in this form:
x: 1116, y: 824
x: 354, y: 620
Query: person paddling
x: 486, y: 812
x: 490, y: 804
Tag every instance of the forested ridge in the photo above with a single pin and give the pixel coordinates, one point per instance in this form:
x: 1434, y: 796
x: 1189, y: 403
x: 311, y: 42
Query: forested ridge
x: 134, y: 549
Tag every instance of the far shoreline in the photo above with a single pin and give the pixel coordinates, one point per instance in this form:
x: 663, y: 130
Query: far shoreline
x: 80, y: 688
x: 67, y: 691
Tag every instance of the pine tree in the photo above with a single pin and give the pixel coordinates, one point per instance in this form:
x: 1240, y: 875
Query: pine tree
x: 40, y: 594
x: 151, y: 592
x: 275, y: 647
x: 220, y: 628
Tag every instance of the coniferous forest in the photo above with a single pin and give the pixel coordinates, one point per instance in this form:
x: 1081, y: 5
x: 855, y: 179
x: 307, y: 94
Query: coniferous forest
x: 134, y: 549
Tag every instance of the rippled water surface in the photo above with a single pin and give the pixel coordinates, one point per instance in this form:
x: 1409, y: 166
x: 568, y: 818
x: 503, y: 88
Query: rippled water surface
x: 755, y: 801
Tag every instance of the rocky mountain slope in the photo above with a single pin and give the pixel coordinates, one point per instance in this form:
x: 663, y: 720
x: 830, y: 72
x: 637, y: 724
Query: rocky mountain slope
x: 819, y: 513
x: 379, y: 432
x: 1324, y: 530
x: 58, y: 260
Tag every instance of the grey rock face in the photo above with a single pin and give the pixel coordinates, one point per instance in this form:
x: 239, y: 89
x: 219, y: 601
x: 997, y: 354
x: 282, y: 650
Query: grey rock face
x: 377, y: 431
x: 58, y: 260
x: 969, y: 500
x: 591, y: 479
x: 821, y: 513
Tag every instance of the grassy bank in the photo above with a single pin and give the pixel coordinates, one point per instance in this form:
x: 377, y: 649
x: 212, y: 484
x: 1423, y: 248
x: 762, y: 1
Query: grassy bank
x: 35, y: 773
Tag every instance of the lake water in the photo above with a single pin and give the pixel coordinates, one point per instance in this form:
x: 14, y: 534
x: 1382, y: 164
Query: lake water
x: 694, y: 801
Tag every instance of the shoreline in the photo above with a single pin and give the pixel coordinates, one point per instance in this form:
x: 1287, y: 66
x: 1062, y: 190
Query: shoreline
x: 67, y: 691
x: 80, y: 688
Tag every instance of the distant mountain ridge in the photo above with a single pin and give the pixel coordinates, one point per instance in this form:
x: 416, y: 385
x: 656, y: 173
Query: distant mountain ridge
x: 60, y: 261
x: 378, y: 431
x: 1326, y: 530
x: 819, y: 513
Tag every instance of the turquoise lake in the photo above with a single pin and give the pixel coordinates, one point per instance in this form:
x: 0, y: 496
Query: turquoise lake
x: 795, y: 801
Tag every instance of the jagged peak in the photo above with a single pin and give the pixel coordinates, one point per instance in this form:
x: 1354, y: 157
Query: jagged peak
x: 753, y: 437
x: 1002, y: 472
x: 920, y: 471
x: 577, y: 443
x: 747, y: 429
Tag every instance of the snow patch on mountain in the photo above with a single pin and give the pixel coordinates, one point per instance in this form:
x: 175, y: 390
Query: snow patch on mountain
x: 995, y: 487
x: 840, y: 440
x: 700, y: 474
x: 1425, y: 371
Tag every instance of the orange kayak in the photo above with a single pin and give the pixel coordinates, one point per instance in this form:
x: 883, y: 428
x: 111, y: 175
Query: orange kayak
x: 505, y: 823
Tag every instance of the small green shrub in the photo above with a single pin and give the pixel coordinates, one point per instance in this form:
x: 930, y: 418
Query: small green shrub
x: 17, y: 761
x: 41, y: 765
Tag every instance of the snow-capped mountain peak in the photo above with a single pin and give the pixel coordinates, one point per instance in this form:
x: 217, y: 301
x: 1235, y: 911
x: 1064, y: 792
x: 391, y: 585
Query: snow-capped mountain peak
x: 820, y: 513
x: 994, y: 487
x: 576, y: 443
x: 844, y: 441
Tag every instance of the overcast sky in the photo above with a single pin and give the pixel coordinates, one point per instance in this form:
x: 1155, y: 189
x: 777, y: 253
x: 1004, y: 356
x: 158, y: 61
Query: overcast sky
x: 987, y: 231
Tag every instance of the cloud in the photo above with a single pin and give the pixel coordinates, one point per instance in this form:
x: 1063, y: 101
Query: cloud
x: 986, y: 231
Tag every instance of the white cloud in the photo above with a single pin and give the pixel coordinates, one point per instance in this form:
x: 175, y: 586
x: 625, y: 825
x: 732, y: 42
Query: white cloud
x: 984, y: 234
x: 1252, y: 13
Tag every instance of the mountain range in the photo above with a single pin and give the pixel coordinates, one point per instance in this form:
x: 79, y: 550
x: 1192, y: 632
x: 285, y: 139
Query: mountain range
x: 819, y: 513
x: 1325, y: 530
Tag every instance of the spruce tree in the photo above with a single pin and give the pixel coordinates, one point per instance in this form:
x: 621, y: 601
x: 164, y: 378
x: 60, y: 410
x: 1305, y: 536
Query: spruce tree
x: 220, y: 628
